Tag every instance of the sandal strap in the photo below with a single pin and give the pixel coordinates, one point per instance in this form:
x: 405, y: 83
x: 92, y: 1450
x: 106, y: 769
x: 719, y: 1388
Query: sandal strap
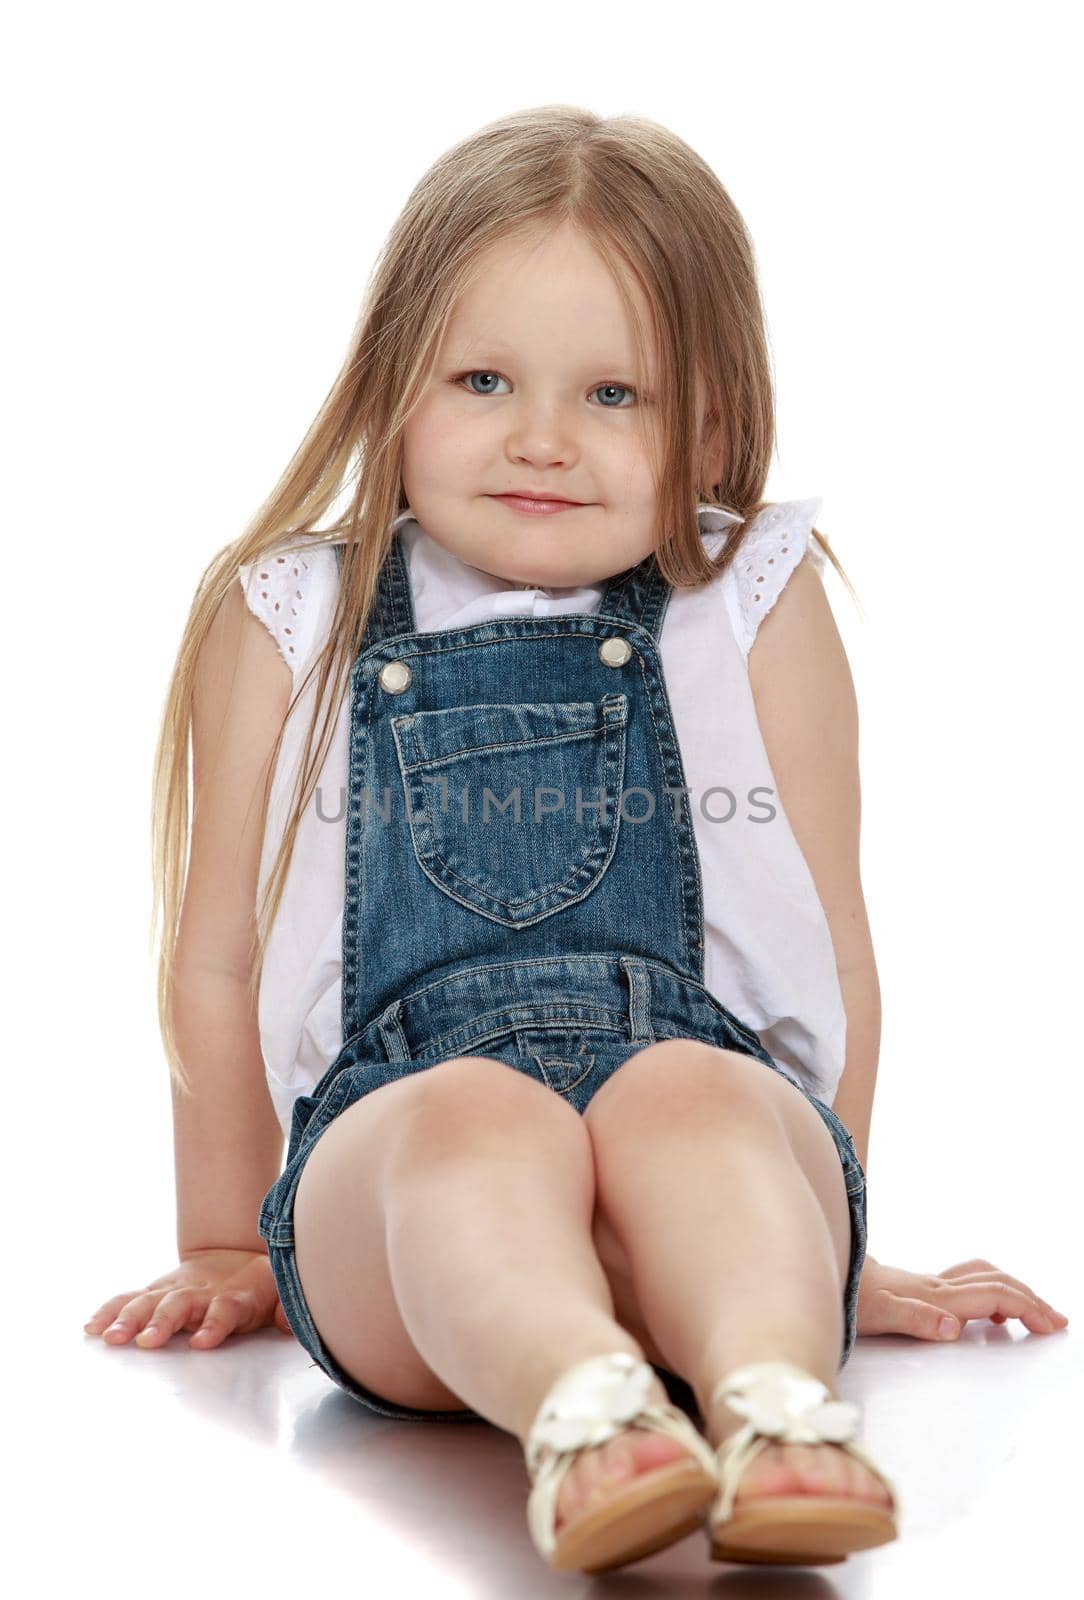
x: 590, y: 1403
x: 783, y: 1405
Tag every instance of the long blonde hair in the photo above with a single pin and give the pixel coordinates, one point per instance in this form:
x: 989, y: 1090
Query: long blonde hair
x: 652, y: 209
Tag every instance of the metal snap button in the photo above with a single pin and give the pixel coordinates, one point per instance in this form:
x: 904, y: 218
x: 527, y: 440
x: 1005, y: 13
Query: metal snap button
x: 615, y: 652
x: 395, y: 676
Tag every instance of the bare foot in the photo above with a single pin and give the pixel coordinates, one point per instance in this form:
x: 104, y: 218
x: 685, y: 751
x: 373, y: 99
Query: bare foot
x: 597, y: 1472
x: 825, y: 1469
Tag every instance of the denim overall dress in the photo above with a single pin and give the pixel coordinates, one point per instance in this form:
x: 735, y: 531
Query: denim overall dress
x: 522, y: 880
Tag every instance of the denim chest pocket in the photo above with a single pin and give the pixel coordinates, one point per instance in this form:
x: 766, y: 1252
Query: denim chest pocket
x: 514, y: 810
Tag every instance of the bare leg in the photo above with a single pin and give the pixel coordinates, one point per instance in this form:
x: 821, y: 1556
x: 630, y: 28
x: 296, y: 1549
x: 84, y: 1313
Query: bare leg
x: 489, y: 1205
x: 732, y: 1259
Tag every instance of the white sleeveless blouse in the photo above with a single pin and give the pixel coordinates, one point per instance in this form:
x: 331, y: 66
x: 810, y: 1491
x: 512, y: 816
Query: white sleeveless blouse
x: 768, y: 953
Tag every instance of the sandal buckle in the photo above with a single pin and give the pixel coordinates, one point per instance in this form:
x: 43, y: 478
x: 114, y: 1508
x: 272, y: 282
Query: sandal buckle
x: 588, y: 1404
x: 780, y: 1401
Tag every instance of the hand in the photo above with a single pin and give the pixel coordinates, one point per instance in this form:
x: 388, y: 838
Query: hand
x: 216, y: 1292
x: 893, y: 1301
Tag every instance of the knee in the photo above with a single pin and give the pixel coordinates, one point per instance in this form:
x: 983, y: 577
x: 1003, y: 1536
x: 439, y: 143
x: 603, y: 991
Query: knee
x: 683, y: 1084
x: 472, y: 1100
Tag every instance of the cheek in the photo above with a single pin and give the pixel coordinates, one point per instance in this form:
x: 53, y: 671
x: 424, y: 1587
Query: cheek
x: 435, y: 444
x: 627, y: 455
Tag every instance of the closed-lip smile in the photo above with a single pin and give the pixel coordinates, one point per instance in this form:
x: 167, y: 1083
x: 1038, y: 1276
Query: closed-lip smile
x: 536, y: 494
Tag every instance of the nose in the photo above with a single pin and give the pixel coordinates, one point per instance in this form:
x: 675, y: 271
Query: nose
x: 543, y: 434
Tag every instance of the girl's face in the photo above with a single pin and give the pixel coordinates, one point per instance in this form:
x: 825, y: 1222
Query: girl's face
x: 535, y: 389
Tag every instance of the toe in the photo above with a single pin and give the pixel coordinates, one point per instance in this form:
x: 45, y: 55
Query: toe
x: 596, y: 1472
x: 823, y: 1469
x: 869, y: 1486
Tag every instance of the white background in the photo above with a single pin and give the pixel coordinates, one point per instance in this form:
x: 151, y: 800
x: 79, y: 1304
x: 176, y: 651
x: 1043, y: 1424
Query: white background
x: 194, y: 197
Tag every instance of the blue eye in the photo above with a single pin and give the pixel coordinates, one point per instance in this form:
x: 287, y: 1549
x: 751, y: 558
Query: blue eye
x: 621, y: 387
x: 495, y: 377
x: 479, y: 373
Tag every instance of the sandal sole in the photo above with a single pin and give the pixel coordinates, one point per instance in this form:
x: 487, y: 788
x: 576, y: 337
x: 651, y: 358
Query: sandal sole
x: 659, y: 1507
x: 802, y: 1530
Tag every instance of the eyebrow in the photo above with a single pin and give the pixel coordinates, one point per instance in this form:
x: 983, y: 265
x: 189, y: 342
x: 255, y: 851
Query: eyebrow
x: 474, y: 351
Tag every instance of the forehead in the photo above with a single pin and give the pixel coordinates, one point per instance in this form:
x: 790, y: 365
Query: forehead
x: 548, y: 294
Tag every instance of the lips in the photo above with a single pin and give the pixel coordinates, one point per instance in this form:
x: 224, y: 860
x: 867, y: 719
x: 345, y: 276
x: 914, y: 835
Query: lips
x: 521, y: 506
x: 529, y: 494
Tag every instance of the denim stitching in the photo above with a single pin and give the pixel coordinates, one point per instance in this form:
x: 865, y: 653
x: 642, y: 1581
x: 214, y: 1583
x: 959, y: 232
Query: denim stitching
x: 402, y: 724
x: 576, y: 961
x: 399, y: 647
x: 405, y: 724
x: 555, y: 1061
x: 580, y: 1014
x: 639, y: 1012
x: 564, y: 894
x: 682, y: 835
x: 361, y: 719
x: 391, y: 1031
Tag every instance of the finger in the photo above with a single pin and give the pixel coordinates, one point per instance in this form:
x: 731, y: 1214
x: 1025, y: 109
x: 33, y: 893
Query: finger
x: 107, y: 1311
x: 174, y: 1309
x: 918, y: 1319
x: 969, y: 1300
x: 996, y: 1277
x: 974, y: 1265
x: 231, y: 1311
x: 131, y: 1317
x: 963, y: 1269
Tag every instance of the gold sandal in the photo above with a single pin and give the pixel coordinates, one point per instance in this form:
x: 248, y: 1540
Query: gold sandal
x: 590, y: 1403
x: 785, y: 1405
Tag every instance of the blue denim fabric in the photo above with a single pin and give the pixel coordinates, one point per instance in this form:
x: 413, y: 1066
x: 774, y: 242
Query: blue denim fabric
x: 518, y: 840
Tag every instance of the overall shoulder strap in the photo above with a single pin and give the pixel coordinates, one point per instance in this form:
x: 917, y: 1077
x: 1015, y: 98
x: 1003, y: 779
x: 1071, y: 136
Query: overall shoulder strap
x: 640, y: 595
x: 393, y: 606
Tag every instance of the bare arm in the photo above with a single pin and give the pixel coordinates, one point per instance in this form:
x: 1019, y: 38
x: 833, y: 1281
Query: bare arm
x: 227, y: 1139
x: 808, y: 715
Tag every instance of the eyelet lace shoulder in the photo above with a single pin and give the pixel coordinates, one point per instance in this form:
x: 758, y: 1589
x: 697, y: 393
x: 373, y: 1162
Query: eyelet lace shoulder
x: 278, y: 590
x: 778, y: 537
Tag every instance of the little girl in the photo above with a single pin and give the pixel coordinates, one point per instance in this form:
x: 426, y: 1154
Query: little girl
x: 551, y: 957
